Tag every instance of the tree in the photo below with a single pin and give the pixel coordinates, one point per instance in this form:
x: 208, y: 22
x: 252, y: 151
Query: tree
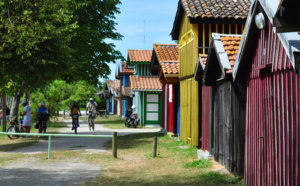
x: 35, y: 38
x: 44, y: 40
x: 96, y: 24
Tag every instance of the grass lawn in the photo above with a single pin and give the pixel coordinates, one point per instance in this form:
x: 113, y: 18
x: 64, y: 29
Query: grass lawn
x: 112, y: 122
x: 173, y: 166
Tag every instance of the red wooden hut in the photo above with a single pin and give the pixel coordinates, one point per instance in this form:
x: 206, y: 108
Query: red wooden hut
x: 267, y: 64
x: 165, y: 64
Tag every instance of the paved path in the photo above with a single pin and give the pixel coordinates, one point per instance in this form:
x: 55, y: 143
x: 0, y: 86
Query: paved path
x: 68, y: 173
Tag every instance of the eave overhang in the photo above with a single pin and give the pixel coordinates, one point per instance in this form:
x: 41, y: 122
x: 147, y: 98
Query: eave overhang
x: 287, y: 16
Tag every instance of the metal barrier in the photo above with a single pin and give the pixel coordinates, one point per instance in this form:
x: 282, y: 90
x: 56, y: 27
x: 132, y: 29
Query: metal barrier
x: 113, y: 136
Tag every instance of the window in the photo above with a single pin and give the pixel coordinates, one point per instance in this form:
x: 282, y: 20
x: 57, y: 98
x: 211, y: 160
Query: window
x: 187, y: 38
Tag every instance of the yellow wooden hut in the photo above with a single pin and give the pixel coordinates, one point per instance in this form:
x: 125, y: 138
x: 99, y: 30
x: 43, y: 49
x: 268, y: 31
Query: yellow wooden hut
x: 194, y: 23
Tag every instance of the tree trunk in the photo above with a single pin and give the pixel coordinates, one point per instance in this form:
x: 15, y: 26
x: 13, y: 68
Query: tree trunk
x: 15, y: 106
x: 4, y: 113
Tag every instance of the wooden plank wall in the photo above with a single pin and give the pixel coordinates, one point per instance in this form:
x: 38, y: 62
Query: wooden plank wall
x: 272, y: 116
x: 229, y: 124
x: 206, y: 118
x: 188, y: 56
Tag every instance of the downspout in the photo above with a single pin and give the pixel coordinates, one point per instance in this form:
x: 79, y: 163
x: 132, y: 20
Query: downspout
x: 212, y: 122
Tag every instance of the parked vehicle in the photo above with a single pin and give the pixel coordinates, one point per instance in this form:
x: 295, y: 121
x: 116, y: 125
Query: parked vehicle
x: 92, y: 121
x: 15, y: 127
x: 131, y: 118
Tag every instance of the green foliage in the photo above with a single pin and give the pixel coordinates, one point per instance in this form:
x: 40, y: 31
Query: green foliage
x: 59, y: 94
x: 93, y: 51
x: 199, y: 164
x: 35, y: 38
x: 44, y: 40
x: 214, y: 178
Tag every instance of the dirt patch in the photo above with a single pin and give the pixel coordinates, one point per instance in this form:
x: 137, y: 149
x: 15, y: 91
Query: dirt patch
x: 31, y: 172
x: 131, y: 158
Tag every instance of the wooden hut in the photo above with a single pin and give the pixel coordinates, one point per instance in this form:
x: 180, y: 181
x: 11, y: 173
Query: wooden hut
x: 268, y: 65
x: 228, y: 113
x: 111, y: 91
x: 123, y: 73
x: 194, y: 22
x: 146, y: 88
x: 165, y: 64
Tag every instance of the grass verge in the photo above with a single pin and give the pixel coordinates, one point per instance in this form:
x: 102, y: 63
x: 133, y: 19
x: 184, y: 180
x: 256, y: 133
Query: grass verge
x: 7, y: 144
x: 135, y: 166
x: 112, y: 122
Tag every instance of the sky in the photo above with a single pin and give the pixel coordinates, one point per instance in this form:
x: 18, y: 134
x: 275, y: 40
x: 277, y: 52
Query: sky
x: 158, y: 15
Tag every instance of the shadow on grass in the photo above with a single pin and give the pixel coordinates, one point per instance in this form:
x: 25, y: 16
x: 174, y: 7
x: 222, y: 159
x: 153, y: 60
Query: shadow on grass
x: 202, y: 179
x: 132, y: 140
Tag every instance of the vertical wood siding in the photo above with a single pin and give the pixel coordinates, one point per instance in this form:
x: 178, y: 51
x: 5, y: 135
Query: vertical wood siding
x: 206, y: 118
x: 229, y: 130
x: 272, y: 122
x: 189, y: 119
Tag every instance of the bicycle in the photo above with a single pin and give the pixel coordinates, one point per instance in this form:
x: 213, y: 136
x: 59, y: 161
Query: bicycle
x: 75, y: 123
x: 92, y: 121
x: 43, y: 122
x: 105, y: 115
x: 15, y: 127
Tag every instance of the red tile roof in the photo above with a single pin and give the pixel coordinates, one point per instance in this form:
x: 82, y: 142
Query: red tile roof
x: 140, y: 55
x: 231, y: 46
x: 114, y: 84
x: 166, y: 52
x: 237, y: 9
x: 125, y: 70
x: 145, y: 83
x: 170, y: 67
x: 125, y: 91
x: 167, y: 55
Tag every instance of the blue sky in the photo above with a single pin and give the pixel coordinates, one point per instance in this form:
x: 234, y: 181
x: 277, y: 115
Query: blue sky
x: 159, y: 17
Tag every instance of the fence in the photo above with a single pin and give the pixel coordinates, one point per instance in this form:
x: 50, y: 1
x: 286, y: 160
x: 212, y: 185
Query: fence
x: 113, y: 136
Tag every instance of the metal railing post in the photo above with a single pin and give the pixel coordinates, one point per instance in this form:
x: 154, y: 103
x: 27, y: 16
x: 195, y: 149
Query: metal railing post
x: 49, y: 147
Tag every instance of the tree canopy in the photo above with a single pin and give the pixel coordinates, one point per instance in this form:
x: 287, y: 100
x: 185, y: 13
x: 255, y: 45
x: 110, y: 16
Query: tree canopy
x: 44, y: 40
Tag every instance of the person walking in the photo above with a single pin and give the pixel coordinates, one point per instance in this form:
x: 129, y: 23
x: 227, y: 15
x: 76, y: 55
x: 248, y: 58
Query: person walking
x: 27, y: 116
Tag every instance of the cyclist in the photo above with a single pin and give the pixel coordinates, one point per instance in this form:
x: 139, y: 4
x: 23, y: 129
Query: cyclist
x: 27, y: 116
x: 91, y: 107
x: 41, y: 110
x: 75, y: 110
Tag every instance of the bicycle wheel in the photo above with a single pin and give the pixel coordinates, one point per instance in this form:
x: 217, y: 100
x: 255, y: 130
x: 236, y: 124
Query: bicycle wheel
x: 93, y: 125
x: 12, y: 129
x: 90, y: 124
x: 44, y: 127
x: 75, y: 126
